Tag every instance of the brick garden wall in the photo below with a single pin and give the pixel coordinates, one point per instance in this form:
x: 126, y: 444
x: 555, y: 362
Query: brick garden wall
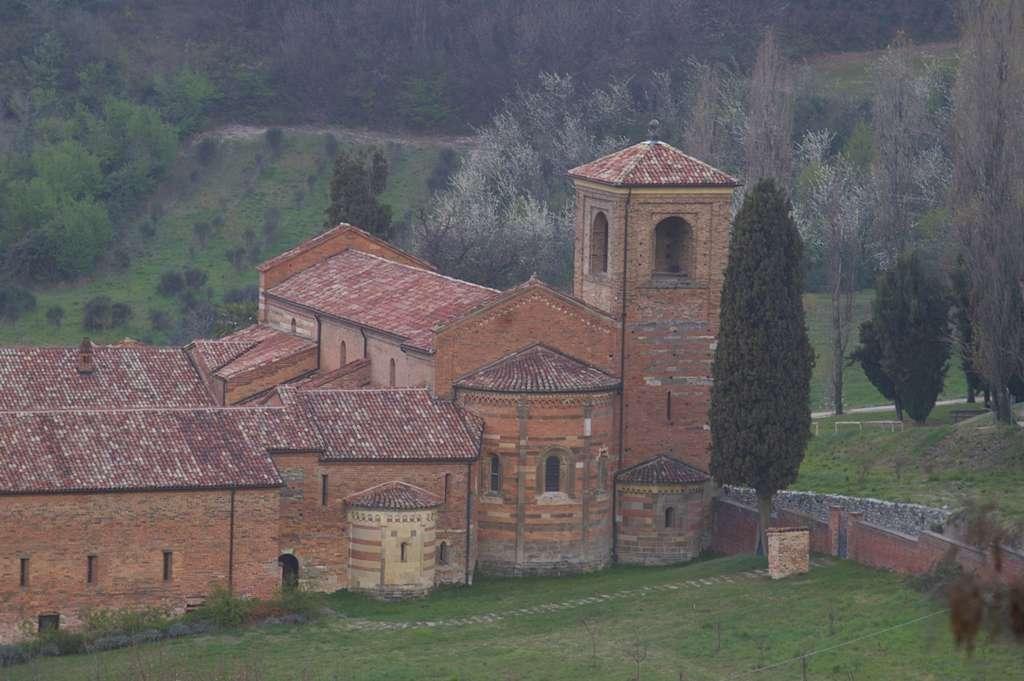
x: 128, y: 533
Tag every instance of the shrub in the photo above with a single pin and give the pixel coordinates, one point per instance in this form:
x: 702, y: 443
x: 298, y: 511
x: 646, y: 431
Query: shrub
x: 171, y: 284
x: 160, y: 321
x: 236, y: 256
x: 11, y: 655
x: 195, y: 277
x: 60, y: 642
x: 271, y: 219
x: 98, y: 314
x: 275, y: 139
x: 15, y: 302
x: 937, y: 581
x: 55, y: 315
x: 244, y: 294
x: 201, y: 231
x: 121, y: 259
x: 105, y: 622
x: 120, y: 313
x: 206, y: 150
x: 224, y: 609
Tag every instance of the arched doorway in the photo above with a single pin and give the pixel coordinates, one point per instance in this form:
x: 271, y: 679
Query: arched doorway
x: 289, y: 570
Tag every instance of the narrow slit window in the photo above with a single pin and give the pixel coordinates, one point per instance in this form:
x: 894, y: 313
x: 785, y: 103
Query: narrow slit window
x: 599, y: 245
x: 670, y: 517
x: 447, y: 485
x: 24, y: 572
x: 323, y: 490
x: 343, y: 354
x: 391, y: 374
x: 90, y: 569
x: 495, y: 473
x: 668, y: 406
x: 404, y: 552
x: 294, y: 325
x: 168, y: 566
x: 442, y: 554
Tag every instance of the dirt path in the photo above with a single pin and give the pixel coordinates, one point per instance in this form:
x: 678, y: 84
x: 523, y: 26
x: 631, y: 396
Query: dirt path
x: 352, y: 135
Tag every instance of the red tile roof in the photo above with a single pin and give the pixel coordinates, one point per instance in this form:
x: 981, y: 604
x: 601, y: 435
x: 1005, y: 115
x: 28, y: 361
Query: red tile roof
x: 662, y: 470
x: 387, y: 425
x: 394, y: 496
x: 85, y: 451
x: 125, y: 376
x: 217, y: 353
x: 315, y: 241
x: 383, y: 295
x: 538, y: 369
x: 274, y: 348
x: 653, y: 164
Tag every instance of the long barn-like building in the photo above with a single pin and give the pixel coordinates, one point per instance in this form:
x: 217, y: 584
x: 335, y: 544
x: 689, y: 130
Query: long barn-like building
x: 383, y: 427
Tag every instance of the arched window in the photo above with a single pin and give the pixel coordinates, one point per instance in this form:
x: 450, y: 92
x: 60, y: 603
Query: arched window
x: 403, y: 550
x: 391, y: 373
x: 670, y: 517
x: 442, y: 553
x: 552, y: 474
x: 672, y: 247
x: 599, y: 245
x: 602, y: 472
x: 495, y: 473
x: 294, y: 326
x: 343, y: 354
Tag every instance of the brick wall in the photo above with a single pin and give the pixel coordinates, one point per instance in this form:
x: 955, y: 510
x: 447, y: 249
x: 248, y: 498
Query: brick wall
x: 318, y: 534
x: 523, y: 529
x: 734, y: 527
x: 128, y: 533
x: 376, y: 561
x: 266, y: 376
x: 643, y: 538
x: 671, y: 324
x: 532, y: 314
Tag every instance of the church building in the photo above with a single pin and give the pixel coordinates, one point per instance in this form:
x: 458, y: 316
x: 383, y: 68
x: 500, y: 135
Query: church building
x: 383, y: 427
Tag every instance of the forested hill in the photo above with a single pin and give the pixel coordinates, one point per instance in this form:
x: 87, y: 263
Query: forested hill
x: 426, y: 64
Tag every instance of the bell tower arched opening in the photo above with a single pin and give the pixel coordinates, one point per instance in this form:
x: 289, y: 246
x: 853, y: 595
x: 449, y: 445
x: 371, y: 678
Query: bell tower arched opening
x: 673, y: 248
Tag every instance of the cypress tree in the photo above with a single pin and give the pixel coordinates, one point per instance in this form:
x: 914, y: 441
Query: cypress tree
x: 869, y: 354
x: 760, y: 399
x: 911, y: 317
x: 356, y: 184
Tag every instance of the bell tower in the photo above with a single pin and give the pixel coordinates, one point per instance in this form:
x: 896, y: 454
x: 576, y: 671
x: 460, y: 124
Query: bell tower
x: 651, y: 245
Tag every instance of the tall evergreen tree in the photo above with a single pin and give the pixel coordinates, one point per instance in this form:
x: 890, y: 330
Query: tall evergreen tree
x: 961, y: 286
x: 869, y: 354
x: 356, y: 185
x: 760, y: 399
x: 911, y: 317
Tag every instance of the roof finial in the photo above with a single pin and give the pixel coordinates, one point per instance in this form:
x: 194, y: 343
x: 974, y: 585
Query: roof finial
x: 85, y: 361
x: 652, y: 129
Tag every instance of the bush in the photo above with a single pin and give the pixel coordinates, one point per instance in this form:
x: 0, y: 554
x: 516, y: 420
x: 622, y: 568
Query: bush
x: 244, y: 294
x: 236, y: 256
x: 195, y: 277
x: 121, y: 260
x: 271, y: 220
x: 160, y: 321
x: 105, y: 622
x: 936, y: 581
x: 206, y: 150
x: 60, y: 642
x: 275, y: 139
x: 120, y: 313
x: 55, y: 315
x: 11, y: 655
x: 15, y: 302
x: 224, y: 609
x: 171, y: 284
x: 98, y: 314
x: 201, y: 231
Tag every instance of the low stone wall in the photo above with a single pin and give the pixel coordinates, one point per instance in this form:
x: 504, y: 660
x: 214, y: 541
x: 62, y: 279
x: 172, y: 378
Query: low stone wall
x: 906, y: 518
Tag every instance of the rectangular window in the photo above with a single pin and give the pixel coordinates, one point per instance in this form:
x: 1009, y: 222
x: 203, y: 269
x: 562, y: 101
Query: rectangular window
x: 323, y: 490
x: 90, y: 570
x: 168, y: 565
x: 24, y: 572
x: 49, y: 622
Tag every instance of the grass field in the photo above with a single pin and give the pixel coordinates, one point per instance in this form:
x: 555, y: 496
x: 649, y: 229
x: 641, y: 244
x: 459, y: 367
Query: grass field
x: 741, y: 628
x: 937, y: 464
x: 233, y: 193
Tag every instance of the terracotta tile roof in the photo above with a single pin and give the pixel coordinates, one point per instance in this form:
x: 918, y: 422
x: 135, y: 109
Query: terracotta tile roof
x: 662, y: 470
x: 384, y: 295
x: 538, y: 369
x: 654, y: 164
x: 125, y: 376
x: 387, y: 425
x: 82, y: 451
x: 273, y: 347
x: 315, y: 241
x: 394, y: 496
x: 217, y: 353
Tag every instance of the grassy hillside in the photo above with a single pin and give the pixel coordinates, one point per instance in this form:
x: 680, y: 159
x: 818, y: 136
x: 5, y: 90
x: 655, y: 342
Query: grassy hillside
x: 938, y: 464
x: 236, y: 193
x: 727, y: 625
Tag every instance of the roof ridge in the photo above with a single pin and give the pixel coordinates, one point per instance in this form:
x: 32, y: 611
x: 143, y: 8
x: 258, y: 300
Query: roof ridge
x: 434, y: 273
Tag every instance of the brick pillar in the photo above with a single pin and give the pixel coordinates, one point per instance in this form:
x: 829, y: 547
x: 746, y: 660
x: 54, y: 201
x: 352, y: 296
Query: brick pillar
x: 789, y: 551
x: 853, y: 533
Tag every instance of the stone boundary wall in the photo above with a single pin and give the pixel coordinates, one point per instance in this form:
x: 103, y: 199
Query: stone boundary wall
x: 735, y: 526
x: 907, y: 518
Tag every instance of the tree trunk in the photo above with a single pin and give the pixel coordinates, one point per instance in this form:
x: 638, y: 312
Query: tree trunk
x: 764, y: 508
x: 899, y: 408
x: 837, y: 348
x: 1002, y: 405
x: 970, y: 392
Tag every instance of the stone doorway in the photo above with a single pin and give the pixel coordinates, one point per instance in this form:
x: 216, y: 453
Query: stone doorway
x: 289, y: 570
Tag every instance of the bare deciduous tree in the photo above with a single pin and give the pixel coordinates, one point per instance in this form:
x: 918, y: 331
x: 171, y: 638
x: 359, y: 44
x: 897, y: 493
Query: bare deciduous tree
x: 831, y: 212
x: 768, y: 136
x: 989, y: 186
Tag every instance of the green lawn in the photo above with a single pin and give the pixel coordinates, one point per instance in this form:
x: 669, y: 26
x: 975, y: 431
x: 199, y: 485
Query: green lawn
x: 725, y: 629
x: 857, y: 390
x: 936, y: 464
x: 233, y: 192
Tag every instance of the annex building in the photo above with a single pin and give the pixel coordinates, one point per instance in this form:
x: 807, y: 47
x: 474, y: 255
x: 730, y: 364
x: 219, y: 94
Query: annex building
x: 383, y: 427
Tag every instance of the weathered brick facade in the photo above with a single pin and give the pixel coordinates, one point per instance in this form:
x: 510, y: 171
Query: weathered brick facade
x: 789, y: 551
x: 215, y: 537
